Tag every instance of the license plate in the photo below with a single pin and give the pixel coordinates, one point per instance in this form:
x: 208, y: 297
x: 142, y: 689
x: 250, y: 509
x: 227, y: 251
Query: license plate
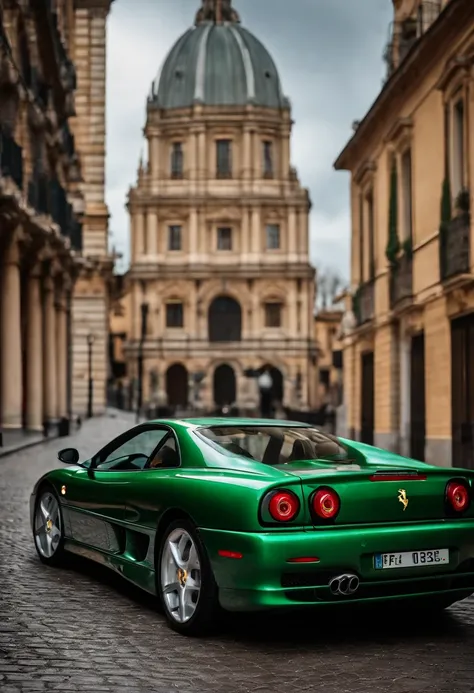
x: 411, y: 559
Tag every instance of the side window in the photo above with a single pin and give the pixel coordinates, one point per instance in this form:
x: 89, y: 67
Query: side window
x: 141, y: 444
x: 167, y: 455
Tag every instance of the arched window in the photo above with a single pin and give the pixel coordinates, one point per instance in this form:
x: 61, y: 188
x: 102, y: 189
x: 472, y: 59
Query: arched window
x: 225, y: 385
x: 278, y: 387
x: 177, y: 385
x: 225, y: 320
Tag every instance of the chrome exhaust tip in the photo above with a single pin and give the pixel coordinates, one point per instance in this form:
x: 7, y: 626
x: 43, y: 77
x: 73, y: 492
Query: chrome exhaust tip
x: 344, y: 585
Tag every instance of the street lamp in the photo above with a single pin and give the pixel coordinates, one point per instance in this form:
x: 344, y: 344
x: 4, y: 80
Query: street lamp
x: 144, y: 314
x: 90, y: 342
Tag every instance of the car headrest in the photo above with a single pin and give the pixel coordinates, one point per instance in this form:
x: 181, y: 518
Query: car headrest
x: 167, y: 457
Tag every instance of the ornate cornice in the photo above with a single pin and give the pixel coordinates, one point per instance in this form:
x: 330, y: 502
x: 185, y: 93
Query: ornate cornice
x: 458, y: 68
x: 401, y: 130
x: 365, y: 172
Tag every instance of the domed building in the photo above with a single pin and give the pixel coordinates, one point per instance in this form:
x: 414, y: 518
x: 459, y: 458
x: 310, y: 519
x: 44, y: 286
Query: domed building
x: 219, y: 228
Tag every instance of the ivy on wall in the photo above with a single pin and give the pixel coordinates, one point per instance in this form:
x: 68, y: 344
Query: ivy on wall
x: 446, y: 210
x: 393, y: 243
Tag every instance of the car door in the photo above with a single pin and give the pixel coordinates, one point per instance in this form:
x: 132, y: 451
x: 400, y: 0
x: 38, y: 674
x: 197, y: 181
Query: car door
x: 95, y: 501
x: 148, y: 492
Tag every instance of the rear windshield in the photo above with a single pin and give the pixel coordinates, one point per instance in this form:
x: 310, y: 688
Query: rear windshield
x: 275, y: 445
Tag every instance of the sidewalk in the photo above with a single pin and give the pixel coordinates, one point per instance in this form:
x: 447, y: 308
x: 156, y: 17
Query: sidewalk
x: 15, y: 441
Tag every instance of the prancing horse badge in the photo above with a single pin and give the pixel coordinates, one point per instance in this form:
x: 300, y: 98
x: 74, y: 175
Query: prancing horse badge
x: 402, y: 497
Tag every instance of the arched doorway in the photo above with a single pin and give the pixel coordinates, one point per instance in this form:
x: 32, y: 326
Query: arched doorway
x: 225, y: 385
x: 278, y: 388
x: 177, y: 385
x: 225, y: 320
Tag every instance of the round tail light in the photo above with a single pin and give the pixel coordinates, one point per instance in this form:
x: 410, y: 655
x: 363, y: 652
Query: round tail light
x: 284, y: 506
x: 326, y: 503
x: 457, y: 495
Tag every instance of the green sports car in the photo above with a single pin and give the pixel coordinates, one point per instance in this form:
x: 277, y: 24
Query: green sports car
x: 245, y: 514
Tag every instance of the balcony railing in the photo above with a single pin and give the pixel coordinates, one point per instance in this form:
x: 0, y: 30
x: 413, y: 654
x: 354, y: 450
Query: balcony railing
x: 68, y: 142
x: 59, y: 204
x: 401, y: 281
x: 66, y: 69
x: 40, y: 89
x: 76, y: 235
x: 63, y: 214
x: 455, y: 247
x: 38, y: 197
x: 11, y: 159
x: 363, y: 303
x: 404, y: 35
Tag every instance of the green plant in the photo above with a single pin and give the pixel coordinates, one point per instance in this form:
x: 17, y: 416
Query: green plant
x: 463, y: 202
x: 393, y: 243
x: 407, y: 247
x: 446, y: 211
x: 356, y: 303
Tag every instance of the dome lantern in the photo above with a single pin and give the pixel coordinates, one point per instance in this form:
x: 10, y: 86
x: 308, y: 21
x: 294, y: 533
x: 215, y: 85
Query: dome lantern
x: 217, y: 11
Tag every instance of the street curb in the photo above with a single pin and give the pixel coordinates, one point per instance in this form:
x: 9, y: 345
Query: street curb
x: 14, y: 449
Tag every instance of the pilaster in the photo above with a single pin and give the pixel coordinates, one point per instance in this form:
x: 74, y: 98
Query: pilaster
x: 10, y: 352
x: 34, y: 352
x: 50, y: 388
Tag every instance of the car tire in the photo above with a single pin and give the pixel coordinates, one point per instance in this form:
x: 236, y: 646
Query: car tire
x: 185, y: 583
x: 48, y: 527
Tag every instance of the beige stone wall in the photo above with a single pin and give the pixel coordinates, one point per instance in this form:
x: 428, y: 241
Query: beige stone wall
x: 91, y: 303
x: 327, y: 327
x: 39, y: 240
x: 411, y: 116
x: 249, y: 272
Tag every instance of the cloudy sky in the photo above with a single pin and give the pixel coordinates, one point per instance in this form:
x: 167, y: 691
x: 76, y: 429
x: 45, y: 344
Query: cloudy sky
x: 329, y: 53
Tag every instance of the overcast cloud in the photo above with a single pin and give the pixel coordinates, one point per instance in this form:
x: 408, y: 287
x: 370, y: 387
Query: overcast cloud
x: 329, y: 54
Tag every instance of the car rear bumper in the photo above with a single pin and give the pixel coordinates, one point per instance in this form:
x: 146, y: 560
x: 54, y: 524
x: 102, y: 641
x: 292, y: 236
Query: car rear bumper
x: 263, y: 577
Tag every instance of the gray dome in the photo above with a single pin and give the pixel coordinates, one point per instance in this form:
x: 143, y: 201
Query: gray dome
x: 218, y: 64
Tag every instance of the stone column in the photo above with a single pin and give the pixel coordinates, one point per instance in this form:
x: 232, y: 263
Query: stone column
x: 61, y: 353
x: 152, y: 234
x: 11, y: 365
x: 292, y: 234
x: 247, y: 153
x: 303, y: 235
x: 49, y: 353
x: 154, y: 144
x: 202, y: 156
x: 138, y: 231
x: 245, y: 233
x: 292, y: 310
x: 193, y: 155
x: 193, y: 235
x: 285, y: 154
x: 256, y: 235
x: 192, y: 158
x: 34, y: 353
x: 257, y: 156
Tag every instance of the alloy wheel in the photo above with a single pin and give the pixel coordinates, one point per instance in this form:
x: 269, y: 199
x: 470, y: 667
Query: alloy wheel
x: 180, y: 575
x: 47, y: 527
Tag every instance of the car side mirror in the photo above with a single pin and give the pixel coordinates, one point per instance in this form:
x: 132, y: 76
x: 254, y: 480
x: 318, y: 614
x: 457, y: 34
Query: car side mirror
x: 68, y: 456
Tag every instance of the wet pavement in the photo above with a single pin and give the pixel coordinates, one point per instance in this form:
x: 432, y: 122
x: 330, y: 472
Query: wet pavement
x: 84, y: 629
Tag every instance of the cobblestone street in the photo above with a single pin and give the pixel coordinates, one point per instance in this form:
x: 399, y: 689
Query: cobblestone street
x: 83, y: 629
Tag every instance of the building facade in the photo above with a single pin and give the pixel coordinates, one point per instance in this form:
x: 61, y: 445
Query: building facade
x: 40, y: 220
x: 219, y: 229
x: 90, y: 305
x: 409, y: 354
x: 327, y: 327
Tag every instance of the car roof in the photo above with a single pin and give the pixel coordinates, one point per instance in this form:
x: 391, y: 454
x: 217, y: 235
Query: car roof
x: 227, y: 421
